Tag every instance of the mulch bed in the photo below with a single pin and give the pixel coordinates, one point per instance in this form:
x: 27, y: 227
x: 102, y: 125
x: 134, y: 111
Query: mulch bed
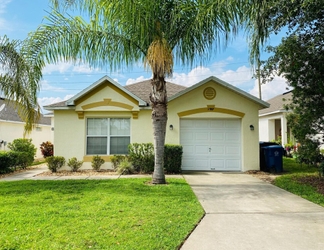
x: 85, y: 172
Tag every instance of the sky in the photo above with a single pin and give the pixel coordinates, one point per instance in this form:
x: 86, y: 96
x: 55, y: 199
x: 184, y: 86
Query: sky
x: 63, y: 80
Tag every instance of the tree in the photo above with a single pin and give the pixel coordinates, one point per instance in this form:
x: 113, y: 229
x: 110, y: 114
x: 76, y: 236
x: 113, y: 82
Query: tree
x: 300, y: 59
x: 156, y: 33
x: 19, y: 81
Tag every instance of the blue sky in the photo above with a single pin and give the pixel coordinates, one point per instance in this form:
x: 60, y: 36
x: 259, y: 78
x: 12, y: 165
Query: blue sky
x: 63, y: 80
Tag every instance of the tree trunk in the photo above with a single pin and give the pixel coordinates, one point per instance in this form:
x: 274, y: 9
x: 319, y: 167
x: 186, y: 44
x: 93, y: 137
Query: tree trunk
x: 158, y: 99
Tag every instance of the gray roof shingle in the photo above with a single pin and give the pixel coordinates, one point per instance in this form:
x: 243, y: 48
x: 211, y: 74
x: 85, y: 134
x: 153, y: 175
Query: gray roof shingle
x: 277, y: 103
x: 143, y: 89
x: 8, y: 112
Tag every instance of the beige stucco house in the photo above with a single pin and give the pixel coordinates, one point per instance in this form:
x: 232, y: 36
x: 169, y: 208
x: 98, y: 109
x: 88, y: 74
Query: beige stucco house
x: 215, y: 122
x: 12, y: 127
x: 273, y: 121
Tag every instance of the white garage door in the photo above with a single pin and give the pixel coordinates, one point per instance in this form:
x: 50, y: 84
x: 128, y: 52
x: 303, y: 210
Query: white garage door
x: 212, y: 145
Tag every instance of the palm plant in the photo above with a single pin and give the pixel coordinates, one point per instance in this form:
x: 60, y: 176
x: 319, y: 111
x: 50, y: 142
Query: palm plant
x: 123, y: 32
x: 19, y: 81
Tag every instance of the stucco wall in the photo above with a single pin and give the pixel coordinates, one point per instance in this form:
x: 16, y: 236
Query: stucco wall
x: 15, y: 130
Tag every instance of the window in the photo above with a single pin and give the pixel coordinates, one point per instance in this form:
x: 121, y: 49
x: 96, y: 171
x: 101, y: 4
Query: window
x: 107, y: 136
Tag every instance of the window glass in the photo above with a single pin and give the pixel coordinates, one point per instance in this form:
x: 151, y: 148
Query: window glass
x: 119, y: 126
x: 97, y: 145
x: 119, y: 145
x: 97, y: 126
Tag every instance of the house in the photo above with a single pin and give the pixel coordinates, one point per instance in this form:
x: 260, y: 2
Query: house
x: 272, y: 120
x: 215, y: 122
x: 12, y: 127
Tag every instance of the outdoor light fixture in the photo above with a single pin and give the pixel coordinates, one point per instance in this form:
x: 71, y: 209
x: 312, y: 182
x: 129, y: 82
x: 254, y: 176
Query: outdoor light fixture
x: 251, y: 127
x: 171, y: 127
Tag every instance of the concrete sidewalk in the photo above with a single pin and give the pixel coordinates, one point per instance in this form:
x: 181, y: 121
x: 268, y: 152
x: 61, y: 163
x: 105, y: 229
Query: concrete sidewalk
x: 243, y: 212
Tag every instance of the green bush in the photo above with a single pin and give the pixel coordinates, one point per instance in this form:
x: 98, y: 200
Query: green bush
x: 117, y: 159
x: 125, y: 167
x: 7, y: 161
x: 47, y: 149
x: 55, y: 162
x: 25, y: 151
x: 74, y: 164
x: 142, y: 157
x: 96, y: 162
x: 309, y: 153
x: 172, y: 158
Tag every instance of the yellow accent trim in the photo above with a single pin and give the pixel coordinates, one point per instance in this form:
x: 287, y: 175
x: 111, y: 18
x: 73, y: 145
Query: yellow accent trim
x: 107, y: 102
x: 101, y: 87
x: 210, y: 108
x: 80, y: 114
x: 135, y: 114
x: 88, y: 158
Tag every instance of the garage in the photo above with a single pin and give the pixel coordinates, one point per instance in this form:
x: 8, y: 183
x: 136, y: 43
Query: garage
x: 211, y: 144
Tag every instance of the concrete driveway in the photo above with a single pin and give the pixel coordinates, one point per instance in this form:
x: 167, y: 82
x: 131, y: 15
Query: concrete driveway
x: 243, y: 212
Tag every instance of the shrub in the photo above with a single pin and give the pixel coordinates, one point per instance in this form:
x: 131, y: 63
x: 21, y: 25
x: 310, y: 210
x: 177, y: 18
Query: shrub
x: 309, y: 153
x: 117, y: 159
x: 6, y: 162
x: 74, y: 164
x: 55, y: 162
x: 96, y: 162
x: 125, y: 167
x: 26, y: 151
x: 172, y: 159
x: 142, y: 157
x: 47, y: 149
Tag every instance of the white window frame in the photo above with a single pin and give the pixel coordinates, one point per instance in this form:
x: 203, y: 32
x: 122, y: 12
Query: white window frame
x: 108, y: 135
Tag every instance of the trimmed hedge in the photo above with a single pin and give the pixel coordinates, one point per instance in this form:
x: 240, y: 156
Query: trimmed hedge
x: 6, y: 162
x: 172, y: 158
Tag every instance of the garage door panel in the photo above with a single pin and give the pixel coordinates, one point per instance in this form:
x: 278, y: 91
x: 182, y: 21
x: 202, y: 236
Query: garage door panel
x: 216, y: 164
x: 233, y: 150
x: 217, y: 136
x: 202, y: 136
x: 202, y: 150
x: 232, y: 164
x: 232, y: 136
x: 217, y: 150
x: 217, y: 124
x: 188, y: 150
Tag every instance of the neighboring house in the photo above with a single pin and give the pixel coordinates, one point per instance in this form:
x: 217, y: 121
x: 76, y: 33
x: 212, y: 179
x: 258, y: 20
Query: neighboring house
x: 272, y: 120
x: 12, y: 127
x: 215, y: 122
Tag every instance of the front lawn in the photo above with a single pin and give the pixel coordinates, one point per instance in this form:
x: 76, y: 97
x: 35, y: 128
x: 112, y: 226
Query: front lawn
x: 301, y: 180
x: 96, y: 214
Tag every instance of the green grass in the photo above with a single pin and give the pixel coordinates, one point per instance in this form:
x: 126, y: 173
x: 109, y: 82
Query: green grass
x: 290, y: 181
x: 96, y: 214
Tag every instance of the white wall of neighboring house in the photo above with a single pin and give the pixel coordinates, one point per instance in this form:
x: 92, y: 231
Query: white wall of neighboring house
x: 10, y: 131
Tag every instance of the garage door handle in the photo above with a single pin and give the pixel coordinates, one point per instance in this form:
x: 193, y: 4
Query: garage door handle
x: 209, y: 149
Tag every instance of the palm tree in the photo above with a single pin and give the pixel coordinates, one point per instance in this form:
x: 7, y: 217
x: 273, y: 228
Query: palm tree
x: 19, y: 81
x: 122, y: 32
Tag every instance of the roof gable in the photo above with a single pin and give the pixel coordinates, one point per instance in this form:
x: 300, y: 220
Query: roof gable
x: 226, y: 85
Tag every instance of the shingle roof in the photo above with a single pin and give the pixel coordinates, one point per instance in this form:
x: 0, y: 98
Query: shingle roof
x: 277, y: 103
x: 8, y: 112
x: 143, y: 89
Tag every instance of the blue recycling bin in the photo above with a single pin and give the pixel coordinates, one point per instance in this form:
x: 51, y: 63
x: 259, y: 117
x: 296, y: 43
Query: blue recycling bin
x: 273, y: 158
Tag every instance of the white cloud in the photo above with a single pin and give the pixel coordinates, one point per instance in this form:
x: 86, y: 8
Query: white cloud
x: 3, y: 23
x: 236, y: 77
x: 138, y: 79
x: 45, y: 86
x: 194, y: 76
x: 276, y: 87
x: 64, y: 67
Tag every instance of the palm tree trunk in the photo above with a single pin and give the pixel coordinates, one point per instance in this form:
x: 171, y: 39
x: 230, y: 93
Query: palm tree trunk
x: 158, y: 99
